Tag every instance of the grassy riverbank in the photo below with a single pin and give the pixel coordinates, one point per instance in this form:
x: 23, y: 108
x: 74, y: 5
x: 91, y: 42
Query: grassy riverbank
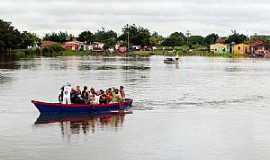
x: 174, y: 53
x: 32, y: 53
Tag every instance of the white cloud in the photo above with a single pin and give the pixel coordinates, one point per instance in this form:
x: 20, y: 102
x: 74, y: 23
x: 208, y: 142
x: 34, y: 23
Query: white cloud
x: 198, y: 16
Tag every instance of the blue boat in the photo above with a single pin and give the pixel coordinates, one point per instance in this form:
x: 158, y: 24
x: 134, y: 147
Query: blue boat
x: 45, y: 107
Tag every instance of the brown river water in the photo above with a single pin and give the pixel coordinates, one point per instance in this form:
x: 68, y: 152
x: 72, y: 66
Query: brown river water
x: 202, y: 108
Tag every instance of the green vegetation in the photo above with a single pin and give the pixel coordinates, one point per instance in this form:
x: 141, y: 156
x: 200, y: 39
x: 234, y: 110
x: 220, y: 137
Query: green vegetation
x: 185, y: 51
x: 137, y: 35
x: 175, y: 39
x: 86, y: 36
x: 236, y: 38
x: 16, y: 43
x: 211, y: 39
x: 11, y: 38
x: 265, y: 38
x: 109, y: 38
x: 58, y: 37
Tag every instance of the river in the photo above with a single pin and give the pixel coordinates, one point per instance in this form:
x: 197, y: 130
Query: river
x: 203, y: 108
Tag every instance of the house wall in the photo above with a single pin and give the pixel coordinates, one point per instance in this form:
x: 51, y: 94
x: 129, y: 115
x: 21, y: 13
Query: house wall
x: 260, y: 50
x: 241, y: 49
x: 73, y: 45
x: 219, y: 48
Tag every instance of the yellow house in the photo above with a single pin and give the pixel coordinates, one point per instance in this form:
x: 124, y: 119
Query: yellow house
x: 241, y: 49
x: 219, y: 48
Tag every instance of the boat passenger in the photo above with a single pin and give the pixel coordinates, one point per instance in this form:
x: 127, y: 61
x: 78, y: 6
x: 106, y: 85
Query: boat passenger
x: 91, y: 96
x: 61, y: 94
x: 109, y: 95
x: 96, y: 99
x: 66, y: 94
x: 78, y: 90
x: 102, y: 98
x: 85, y: 94
x: 116, y: 96
x: 122, y: 92
x: 76, y: 96
x: 95, y: 96
x: 92, y: 90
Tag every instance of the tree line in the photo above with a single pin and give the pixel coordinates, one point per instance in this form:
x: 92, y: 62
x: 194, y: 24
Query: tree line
x: 12, y: 38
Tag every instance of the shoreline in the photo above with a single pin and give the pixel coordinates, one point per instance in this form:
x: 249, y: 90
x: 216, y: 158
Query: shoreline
x: 31, y: 53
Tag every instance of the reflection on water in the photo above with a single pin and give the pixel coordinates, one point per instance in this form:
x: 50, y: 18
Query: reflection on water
x: 112, y: 67
x: 9, y: 65
x: 20, y: 64
x: 82, y: 123
x: 106, y: 67
x: 123, y: 59
x: 4, y: 79
x: 135, y: 68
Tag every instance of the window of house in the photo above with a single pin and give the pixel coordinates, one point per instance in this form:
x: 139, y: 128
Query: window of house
x: 239, y: 48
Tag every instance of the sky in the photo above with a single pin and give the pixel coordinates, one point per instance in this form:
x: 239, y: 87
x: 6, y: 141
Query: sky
x: 164, y: 16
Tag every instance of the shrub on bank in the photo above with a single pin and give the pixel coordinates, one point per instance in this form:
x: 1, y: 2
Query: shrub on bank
x: 75, y: 53
x: 53, y: 50
x: 140, y: 53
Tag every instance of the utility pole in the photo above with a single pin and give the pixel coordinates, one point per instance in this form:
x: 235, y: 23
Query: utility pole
x: 128, y: 37
x: 188, y: 35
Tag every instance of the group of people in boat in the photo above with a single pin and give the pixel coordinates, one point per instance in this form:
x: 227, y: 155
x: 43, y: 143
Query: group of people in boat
x: 70, y: 95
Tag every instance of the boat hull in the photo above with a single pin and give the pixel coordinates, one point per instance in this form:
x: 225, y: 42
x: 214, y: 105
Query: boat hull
x: 45, y: 107
x: 171, y: 61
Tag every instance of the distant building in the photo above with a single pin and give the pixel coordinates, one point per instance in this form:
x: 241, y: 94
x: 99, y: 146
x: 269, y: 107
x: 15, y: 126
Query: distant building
x: 221, y: 40
x: 147, y: 48
x: 219, y: 48
x: 260, y: 49
x: 46, y: 44
x: 74, y: 45
x: 97, y: 46
x: 241, y: 49
x: 120, y: 48
x: 136, y: 47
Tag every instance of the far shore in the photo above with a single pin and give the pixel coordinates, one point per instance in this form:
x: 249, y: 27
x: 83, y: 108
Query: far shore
x: 30, y: 53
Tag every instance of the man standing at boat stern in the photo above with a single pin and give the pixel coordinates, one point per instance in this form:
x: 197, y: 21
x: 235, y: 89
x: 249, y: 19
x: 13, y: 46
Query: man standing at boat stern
x: 66, y: 95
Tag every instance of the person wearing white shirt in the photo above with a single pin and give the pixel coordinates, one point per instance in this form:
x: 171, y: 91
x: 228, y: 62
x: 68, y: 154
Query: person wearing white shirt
x: 66, y: 94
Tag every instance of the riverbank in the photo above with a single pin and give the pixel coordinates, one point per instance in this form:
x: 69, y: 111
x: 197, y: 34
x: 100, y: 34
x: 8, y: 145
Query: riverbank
x: 32, y: 53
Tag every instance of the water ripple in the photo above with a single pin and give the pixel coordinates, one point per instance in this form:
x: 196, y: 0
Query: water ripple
x: 173, y: 104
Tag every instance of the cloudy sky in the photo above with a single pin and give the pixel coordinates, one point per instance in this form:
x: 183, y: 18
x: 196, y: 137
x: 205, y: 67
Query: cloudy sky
x: 163, y: 16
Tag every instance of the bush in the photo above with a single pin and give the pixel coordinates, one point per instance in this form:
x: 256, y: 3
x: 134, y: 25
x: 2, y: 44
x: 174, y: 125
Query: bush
x: 53, y: 50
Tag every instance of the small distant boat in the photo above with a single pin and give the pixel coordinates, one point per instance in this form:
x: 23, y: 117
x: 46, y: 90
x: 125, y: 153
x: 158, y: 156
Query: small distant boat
x: 171, y: 60
x: 45, y: 107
